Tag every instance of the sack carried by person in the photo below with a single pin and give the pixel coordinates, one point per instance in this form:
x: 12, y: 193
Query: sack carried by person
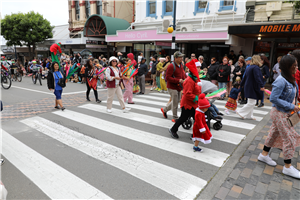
x: 61, y: 81
x: 121, y: 84
x: 293, y: 119
x: 136, y: 88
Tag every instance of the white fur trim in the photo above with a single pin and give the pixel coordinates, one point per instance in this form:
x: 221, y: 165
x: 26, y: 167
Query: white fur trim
x: 202, y: 130
x: 198, y: 109
x: 198, y: 64
x: 202, y: 140
x: 199, y: 83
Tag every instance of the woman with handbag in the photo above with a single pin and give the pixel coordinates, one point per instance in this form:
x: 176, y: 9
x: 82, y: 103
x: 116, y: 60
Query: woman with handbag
x: 91, y: 80
x: 128, y: 82
x: 113, y: 81
x: 282, y: 134
x: 56, y: 81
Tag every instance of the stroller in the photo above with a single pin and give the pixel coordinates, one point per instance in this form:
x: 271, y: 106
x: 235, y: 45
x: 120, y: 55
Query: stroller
x: 207, y: 87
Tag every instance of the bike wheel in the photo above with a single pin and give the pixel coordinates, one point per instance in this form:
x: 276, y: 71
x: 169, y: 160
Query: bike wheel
x: 19, y: 77
x: 40, y: 79
x: 33, y: 79
x: 5, y: 82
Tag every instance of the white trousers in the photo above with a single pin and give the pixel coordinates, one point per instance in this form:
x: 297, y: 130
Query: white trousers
x: 247, y: 110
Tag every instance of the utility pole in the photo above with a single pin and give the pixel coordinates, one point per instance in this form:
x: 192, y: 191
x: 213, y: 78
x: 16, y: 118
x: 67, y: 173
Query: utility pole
x: 174, y: 32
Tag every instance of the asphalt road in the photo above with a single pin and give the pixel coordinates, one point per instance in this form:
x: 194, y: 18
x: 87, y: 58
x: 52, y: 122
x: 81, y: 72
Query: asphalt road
x: 84, y: 152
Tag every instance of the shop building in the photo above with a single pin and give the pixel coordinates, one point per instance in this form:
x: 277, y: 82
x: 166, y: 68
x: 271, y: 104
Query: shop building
x: 271, y: 28
x: 201, y: 27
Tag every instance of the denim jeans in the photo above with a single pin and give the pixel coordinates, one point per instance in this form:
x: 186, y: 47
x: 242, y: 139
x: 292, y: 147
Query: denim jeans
x: 222, y: 85
x: 214, y: 110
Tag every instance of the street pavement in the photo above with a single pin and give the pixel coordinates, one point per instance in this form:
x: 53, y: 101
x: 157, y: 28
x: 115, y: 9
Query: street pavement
x: 84, y: 152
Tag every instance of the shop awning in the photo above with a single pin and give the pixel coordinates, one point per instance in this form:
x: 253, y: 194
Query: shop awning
x: 268, y: 30
x: 99, y: 26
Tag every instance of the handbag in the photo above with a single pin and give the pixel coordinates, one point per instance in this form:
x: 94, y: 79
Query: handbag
x: 61, y: 81
x: 121, y: 84
x: 293, y: 119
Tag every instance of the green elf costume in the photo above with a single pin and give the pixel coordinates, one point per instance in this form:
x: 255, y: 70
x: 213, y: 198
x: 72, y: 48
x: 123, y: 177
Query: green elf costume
x: 53, y: 49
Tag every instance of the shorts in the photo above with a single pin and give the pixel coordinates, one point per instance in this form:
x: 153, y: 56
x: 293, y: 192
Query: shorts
x: 57, y: 94
x: 153, y: 76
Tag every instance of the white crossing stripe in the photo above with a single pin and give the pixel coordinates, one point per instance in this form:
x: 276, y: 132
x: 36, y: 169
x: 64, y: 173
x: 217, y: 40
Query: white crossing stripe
x: 224, y: 136
x: 141, y: 99
x: 209, y: 156
x: 164, y: 104
x: 53, y: 180
x: 175, y: 182
x: 224, y: 102
x: 237, y: 124
x: 159, y: 94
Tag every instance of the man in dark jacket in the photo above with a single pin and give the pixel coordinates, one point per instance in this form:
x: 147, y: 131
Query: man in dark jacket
x: 175, y: 79
x: 142, y: 72
x: 153, y: 72
x: 223, y: 72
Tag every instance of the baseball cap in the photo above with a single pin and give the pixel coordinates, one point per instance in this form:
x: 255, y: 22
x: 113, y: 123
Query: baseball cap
x: 178, y: 54
x: 249, y: 58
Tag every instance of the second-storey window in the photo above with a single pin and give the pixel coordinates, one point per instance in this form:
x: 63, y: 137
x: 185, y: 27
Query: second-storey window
x: 87, y: 9
x: 201, y: 6
x: 151, y: 9
x: 227, y: 5
x: 99, y: 7
x: 167, y: 7
x: 77, y: 8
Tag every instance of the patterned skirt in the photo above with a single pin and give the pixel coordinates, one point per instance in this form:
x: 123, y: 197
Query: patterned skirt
x: 231, y: 104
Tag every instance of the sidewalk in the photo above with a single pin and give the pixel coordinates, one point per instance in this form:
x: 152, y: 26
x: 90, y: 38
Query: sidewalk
x: 252, y: 179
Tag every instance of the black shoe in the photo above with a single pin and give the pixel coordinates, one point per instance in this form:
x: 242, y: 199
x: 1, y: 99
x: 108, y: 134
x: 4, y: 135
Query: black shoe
x: 139, y: 93
x: 63, y: 108
x: 88, y: 99
x: 256, y: 104
x: 261, y: 105
x: 243, y: 102
x: 98, y: 101
x: 220, y: 114
x: 57, y: 107
x: 174, y: 135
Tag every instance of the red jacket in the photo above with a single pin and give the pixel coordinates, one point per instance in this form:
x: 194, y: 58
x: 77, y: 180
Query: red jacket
x: 54, y: 48
x: 173, y: 77
x: 190, y: 94
x: 297, y: 78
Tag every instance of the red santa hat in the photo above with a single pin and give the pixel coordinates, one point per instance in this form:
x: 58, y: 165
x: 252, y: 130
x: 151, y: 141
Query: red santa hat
x: 193, y: 70
x: 78, y: 64
x: 203, y: 102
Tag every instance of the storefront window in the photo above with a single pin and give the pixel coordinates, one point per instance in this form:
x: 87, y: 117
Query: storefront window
x: 262, y: 48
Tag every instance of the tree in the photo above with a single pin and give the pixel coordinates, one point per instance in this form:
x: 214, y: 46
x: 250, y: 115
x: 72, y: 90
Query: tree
x: 26, y: 30
x: 296, y: 3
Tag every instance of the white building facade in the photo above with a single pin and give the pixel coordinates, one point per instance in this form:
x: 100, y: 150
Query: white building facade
x: 201, y: 27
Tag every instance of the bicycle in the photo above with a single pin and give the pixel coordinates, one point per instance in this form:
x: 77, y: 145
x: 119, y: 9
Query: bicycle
x: 38, y: 75
x: 17, y: 76
x: 5, y: 80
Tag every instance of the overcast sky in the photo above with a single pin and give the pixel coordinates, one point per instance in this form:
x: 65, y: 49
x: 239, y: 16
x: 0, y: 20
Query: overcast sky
x: 55, y: 11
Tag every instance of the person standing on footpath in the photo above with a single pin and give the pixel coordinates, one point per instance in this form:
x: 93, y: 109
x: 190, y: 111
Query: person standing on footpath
x: 223, y: 72
x: 252, y: 83
x: 142, y: 72
x: 175, y: 77
x: 212, y: 71
x: 54, y: 85
x: 282, y: 135
x: 153, y: 72
x: 189, y: 101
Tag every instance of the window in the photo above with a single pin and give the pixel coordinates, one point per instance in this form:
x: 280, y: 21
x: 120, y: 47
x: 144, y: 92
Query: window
x: 201, y: 6
x: 99, y: 7
x: 151, y: 9
x: 167, y: 8
x: 87, y: 9
x: 77, y: 8
x: 227, y: 5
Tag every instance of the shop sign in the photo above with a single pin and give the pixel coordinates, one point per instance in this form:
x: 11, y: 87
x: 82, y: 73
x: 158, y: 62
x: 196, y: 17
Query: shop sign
x: 285, y: 28
x: 289, y: 45
x: 165, y: 44
x: 96, y: 42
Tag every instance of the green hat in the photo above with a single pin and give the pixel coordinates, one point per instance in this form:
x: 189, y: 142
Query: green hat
x: 178, y: 54
x: 12, y: 61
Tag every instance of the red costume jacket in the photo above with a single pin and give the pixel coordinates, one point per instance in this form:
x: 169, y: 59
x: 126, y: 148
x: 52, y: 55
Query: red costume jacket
x: 54, y: 48
x: 190, y: 92
x: 201, y: 131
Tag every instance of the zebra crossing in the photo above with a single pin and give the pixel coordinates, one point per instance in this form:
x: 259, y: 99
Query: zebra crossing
x: 129, y: 155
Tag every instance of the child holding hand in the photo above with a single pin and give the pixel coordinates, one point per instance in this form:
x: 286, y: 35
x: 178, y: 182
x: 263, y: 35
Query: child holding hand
x: 201, y: 132
x: 231, y: 102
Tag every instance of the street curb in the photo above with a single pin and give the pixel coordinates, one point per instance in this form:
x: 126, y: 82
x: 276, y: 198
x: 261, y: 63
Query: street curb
x: 214, y: 185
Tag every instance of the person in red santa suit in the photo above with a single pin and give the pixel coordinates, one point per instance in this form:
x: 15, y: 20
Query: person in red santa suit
x: 191, y: 90
x: 201, y: 132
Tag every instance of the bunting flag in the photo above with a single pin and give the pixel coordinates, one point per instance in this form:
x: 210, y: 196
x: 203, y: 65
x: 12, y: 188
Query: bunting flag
x: 202, y: 76
x: 268, y: 92
x: 133, y: 73
x: 101, y: 71
x: 72, y: 71
x: 217, y: 93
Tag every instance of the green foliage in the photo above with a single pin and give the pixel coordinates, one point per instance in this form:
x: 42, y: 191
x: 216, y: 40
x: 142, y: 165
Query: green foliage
x: 25, y: 29
x: 296, y: 3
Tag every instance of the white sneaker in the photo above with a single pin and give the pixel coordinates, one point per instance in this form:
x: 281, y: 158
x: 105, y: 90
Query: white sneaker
x: 165, y: 91
x: 161, y: 91
x: 227, y: 112
x: 126, y: 110
x: 292, y: 171
x: 267, y: 160
x: 151, y: 89
x: 108, y: 110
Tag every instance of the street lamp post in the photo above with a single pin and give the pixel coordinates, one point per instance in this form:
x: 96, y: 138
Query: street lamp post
x: 174, y: 32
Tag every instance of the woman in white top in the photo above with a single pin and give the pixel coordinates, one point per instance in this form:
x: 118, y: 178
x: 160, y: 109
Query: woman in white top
x: 113, y: 78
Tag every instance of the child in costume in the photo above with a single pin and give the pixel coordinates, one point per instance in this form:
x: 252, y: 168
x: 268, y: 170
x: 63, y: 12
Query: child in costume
x: 128, y: 82
x: 231, y: 102
x: 201, y: 132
